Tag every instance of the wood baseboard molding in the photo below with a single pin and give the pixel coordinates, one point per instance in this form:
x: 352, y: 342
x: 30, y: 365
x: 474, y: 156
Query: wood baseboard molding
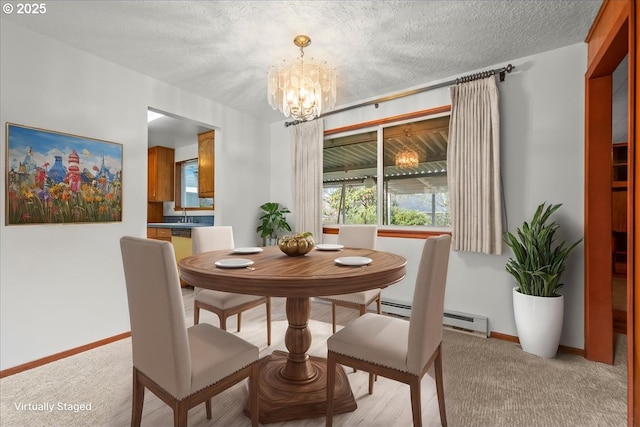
x: 43, y: 361
x: 561, y: 349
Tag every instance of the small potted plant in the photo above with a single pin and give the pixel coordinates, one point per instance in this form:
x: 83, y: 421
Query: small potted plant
x: 272, y: 221
x: 537, y: 265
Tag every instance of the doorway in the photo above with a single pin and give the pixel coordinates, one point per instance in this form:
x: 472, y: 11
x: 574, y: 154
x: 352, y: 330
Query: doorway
x: 619, y: 194
x: 180, y: 135
x: 599, y: 251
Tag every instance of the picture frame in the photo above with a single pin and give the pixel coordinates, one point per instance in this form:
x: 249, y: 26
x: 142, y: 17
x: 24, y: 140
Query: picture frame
x: 54, y: 177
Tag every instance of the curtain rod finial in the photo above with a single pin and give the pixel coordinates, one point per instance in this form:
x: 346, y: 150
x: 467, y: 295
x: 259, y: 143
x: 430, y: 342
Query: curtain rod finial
x: 508, y: 69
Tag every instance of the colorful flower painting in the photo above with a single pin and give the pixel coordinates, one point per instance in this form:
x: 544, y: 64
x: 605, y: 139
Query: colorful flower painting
x: 54, y: 177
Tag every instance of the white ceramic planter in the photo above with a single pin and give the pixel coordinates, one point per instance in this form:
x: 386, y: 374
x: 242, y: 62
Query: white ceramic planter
x: 539, y: 323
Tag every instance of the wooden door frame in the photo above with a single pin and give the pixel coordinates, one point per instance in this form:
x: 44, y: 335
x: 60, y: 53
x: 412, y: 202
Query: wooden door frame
x: 598, y: 261
x: 612, y: 36
x: 633, y: 224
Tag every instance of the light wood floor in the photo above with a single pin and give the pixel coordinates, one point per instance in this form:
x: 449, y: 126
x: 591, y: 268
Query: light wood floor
x: 487, y: 383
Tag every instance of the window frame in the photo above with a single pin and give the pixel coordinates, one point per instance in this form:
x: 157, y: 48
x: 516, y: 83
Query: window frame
x: 178, y: 188
x: 394, y: 231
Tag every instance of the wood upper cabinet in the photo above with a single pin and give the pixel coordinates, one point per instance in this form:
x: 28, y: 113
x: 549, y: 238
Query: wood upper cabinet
x: 160, y: 174
x: 206, y: 157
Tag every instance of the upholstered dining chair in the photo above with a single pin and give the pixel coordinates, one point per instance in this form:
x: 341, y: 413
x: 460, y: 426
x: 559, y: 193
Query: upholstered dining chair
x: 223, y: 304
x: 182, y: 366
x: 356, y: 236
x: 395, y: 348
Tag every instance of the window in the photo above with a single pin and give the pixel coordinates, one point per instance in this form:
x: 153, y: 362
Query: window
x: 412, y: 159
x: 187, y: 187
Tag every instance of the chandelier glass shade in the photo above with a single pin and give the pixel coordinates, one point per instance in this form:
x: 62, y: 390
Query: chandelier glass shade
x: 407, y: 159
x: 302, y: 89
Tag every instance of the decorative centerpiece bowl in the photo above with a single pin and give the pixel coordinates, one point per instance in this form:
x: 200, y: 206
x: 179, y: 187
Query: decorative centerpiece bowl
x: 296, y: 245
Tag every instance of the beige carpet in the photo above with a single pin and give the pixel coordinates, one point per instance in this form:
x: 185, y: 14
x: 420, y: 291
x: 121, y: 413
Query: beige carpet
x: 488, y: 382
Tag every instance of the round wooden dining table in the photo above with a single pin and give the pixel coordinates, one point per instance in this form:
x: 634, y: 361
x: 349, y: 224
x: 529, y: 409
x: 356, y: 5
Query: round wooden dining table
x: 293, y: 384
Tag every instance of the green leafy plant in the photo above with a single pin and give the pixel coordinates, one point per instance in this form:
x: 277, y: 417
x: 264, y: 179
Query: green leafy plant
x: 538, y: 264
x: 273, y: 220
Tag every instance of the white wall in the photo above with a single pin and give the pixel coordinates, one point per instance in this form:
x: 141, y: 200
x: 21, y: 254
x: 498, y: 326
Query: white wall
x: 542, y: 131
x: 61, y: 286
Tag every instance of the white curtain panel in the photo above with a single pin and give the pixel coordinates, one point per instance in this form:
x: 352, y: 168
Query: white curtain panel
x: 307, y: 177
x: 473, y: 167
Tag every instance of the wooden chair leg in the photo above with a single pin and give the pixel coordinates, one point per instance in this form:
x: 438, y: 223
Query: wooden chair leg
x: 379, y: 303
x: 196, y: 313
x: 223, y: 322
x: 138, y: 400
x: 254, y: 402
x: 375, y: 377
x: 239, y: 320
x: 207, y: 405
x: 180, y: 414
x: 333, y: 316
x: 268, y: 321
x: 416, y: 403
x: 440, y: 386
x: 331, y: 382
x: 363, y: 310
x: 371, y: 376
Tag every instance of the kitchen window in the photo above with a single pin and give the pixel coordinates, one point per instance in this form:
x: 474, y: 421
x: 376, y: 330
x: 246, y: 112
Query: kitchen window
x: 187, y: 187
x: 411, y: 158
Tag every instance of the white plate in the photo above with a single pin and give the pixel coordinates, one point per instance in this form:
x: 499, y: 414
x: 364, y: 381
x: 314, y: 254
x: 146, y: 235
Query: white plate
x: 353, y: 260
x: 250, y: 250
x: 328, y: 247
x: 234, y: 263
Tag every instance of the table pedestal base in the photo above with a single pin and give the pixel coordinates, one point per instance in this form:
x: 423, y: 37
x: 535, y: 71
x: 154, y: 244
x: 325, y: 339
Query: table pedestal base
x: 282, y: 399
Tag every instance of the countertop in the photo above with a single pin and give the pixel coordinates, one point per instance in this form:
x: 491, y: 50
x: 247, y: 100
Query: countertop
x: 181, y: 225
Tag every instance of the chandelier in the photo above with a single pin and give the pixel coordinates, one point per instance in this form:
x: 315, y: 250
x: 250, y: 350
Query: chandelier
x: 302, y: 89
x: 407, y: 159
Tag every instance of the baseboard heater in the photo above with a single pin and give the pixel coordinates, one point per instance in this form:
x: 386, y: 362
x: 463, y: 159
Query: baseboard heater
x: 455, y: 320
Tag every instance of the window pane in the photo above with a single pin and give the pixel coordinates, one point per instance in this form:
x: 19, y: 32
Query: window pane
x: 349, y: 177
x: 189, y: 187
x: 415, y: 173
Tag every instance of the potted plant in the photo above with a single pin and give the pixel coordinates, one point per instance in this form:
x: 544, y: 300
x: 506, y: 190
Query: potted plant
x: 537, y: 265
x: 272, y: 221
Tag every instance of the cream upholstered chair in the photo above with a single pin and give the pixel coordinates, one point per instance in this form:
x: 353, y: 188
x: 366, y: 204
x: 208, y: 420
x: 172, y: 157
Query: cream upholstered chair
x: 395, y: 348
x: 356, y: 236
x: 182, y: 366
x: 223, y: 304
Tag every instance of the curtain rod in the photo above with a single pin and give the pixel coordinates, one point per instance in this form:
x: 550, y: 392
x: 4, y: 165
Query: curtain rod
x: 469, y: 78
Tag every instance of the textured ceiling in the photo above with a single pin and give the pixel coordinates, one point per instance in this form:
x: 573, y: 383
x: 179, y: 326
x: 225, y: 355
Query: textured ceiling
x: 222, y: 50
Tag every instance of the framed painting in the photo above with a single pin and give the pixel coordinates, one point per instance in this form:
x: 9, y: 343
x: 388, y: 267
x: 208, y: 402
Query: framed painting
x: 54, y: 177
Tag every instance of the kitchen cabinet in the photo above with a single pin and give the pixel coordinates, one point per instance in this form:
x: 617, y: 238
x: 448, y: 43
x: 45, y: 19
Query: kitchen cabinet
x: 160, y: 174
x: 155, y: 211
x: 206, y: 157
x: 159, y: 233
